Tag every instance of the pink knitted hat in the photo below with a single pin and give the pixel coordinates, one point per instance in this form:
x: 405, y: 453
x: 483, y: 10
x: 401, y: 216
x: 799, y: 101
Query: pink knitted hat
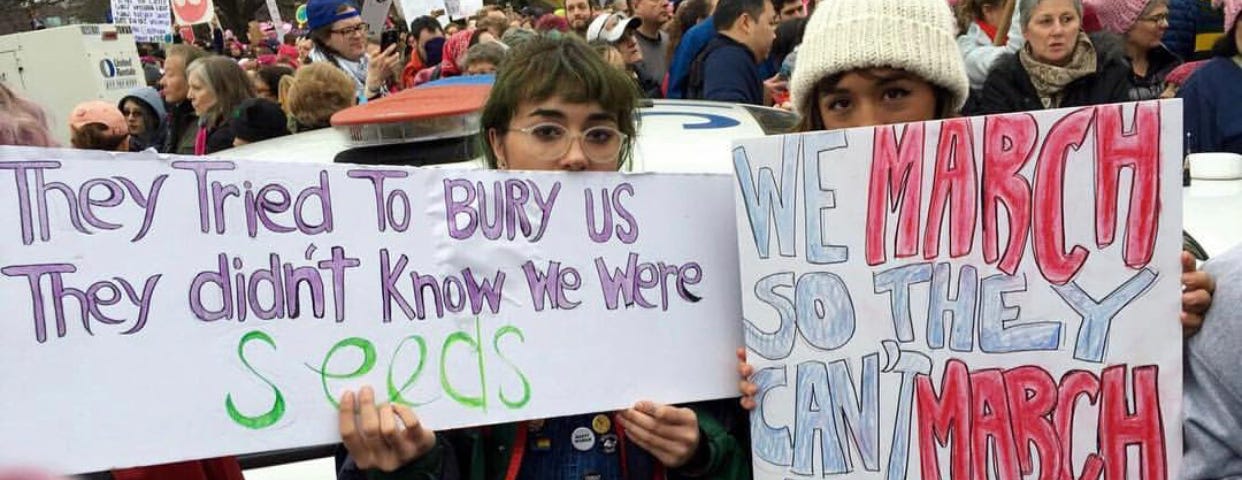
x: 1118, y: 16
x: 1232, y: 8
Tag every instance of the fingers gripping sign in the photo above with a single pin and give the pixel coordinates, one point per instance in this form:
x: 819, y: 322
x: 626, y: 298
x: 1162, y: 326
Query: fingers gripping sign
x: 383, y: 437
x: 1197, y: 288
x: 747, y: 388
x: 669, y: 433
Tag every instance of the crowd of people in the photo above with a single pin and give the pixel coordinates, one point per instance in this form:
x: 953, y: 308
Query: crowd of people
x: 564, y: 96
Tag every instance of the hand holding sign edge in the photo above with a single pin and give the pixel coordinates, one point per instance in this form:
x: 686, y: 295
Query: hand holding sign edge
x: 373, y: 436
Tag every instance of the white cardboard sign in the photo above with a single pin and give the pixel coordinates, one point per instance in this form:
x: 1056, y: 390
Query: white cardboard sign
x: 150, y: 19
x: 976, y: 298
x: 171, y: 308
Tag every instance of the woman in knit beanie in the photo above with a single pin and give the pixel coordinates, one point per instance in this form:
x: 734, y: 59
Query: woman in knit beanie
x: 1213, y: 112
x: 1142, y: 23
x: 874, y: 62
x: 1060, y: 66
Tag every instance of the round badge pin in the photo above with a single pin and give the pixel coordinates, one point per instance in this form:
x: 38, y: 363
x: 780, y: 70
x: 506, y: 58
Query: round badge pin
x: 608, y: 443
x: 583, y: 439
x: 601, y: 424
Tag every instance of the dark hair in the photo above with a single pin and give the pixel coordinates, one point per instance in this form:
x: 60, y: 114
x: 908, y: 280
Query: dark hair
x: 967, y: 11
x: 812, y: 122
x: 94, y: 136
x: 728, y: 11
x: 689, y: 14
x: 788, y: 36
x: 1227, y: 45
x: 563, y: 66
x: 418, y: 25
x: 272, y: 74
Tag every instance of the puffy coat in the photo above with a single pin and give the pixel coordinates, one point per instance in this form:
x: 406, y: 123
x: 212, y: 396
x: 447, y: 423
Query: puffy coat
x: 1009, y: 88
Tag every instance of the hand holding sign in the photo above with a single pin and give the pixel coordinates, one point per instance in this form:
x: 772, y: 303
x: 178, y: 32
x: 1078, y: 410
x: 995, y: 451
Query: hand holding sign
x: 669, y: 433
x: 1197, y: 288
x: 373, y: 437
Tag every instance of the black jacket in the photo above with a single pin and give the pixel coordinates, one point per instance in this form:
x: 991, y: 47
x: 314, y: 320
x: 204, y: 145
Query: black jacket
x: 182, y: 126
x: 220, y: 138
x: 1009, y: 89
x: 729, y: 73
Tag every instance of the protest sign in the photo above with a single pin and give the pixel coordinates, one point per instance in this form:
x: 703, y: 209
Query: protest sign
x: 167, y: 308
x: 975, y: 298
x: 150, y: 19
x: 411, y: 9
x: 193, y: 12
x: 375, y: 13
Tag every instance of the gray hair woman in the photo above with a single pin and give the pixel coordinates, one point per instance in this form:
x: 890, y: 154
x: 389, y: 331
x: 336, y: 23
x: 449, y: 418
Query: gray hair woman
x: 1060, y: 66
x: 217, y: 86
x: 1142, y: 23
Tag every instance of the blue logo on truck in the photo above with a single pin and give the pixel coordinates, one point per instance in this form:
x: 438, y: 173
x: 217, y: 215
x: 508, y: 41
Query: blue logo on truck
x: 107, y: 68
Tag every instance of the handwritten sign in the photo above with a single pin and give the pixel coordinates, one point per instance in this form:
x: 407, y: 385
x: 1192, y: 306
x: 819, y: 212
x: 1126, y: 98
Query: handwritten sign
x: 150, y: 19
x: 975, y: 298
x: 193, y: 12
x: 189, y: 308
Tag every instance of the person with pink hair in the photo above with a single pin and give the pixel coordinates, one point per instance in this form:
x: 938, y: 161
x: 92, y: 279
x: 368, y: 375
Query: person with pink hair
x: 22, y: 122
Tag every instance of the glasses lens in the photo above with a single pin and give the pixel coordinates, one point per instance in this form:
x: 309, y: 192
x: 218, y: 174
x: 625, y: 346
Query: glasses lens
x: 602, y: 144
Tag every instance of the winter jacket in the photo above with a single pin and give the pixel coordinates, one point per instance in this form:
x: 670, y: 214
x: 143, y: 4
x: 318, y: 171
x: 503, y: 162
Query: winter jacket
x: 691, y: 44
x: 1193, y: 27
x: 182, y: 128
x: 1150, y: 86
x: 500, y: 452
x: 218, y: 138
x: 648, y: 85
x: 1213, y: 114
x: 154, y: 136
x: 730, y: 73
x: 1009, y: 88
x: 979, y: 54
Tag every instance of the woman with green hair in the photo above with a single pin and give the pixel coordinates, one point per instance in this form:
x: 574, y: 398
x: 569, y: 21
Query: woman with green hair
x: 555, y: 105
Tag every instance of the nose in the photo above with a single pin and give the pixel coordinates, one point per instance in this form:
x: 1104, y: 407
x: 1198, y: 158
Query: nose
x: 865, y: 114
x: 574, y: 159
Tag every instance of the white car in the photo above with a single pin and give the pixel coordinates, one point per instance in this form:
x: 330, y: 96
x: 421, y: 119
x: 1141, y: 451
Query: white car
x: 1212, y: 204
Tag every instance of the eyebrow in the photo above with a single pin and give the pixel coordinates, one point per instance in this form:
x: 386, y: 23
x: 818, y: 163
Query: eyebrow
x: 559, y: 115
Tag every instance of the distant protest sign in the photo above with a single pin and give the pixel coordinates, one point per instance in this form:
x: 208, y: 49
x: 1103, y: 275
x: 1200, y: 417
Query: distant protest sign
x: 193, y: 12
x: 166, y: 308
x: 975, y: 298
x: 150, y: 19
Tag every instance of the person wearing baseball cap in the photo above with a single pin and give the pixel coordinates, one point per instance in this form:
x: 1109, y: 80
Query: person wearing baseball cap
x: 619, y: 30
x: 1213, y: 111
x: 1143, y: 24
x: 340, y: 39
x: 98, y: 125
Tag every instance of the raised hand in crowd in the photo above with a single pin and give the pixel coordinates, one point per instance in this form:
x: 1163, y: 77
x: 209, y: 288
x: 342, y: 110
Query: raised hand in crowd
x: 382, y: 68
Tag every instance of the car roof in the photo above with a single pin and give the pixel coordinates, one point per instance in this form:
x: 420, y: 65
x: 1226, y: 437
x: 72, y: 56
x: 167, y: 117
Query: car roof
x: 674, y: 136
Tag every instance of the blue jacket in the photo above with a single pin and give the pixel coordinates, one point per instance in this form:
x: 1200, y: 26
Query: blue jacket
x: 691, y: 44
x: 730, y: 73
x: 1193, y: 24
x: 1213, y: 125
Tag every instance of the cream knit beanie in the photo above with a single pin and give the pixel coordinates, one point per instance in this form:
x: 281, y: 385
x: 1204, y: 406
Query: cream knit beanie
x: 912, y: 35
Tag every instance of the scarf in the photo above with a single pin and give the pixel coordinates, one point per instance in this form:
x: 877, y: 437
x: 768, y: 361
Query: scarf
x: 356, y: 70
x: 454, y: 51
x: 1050, y: 80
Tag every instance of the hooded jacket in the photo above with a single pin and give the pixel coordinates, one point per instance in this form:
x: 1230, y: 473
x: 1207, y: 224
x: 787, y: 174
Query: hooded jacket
x: 154, y: 136
x: 1009, y: 88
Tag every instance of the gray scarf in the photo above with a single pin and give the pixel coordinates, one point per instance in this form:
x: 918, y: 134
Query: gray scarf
x: 1050, y: 80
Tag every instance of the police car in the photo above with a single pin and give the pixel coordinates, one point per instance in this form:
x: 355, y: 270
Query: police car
x: 1212, y: 203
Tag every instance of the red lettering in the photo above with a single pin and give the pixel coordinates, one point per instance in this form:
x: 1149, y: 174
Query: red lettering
x: 945, y: 418
x: 1120, y: 428
x: 896, y: 183
x: 1032, y: 398
x: 1068, y: 133
x: 1138, y: 150
x: 991, y: 420
x: 954, y: 183
x: 1009, y: 142
x: 1073, y: 384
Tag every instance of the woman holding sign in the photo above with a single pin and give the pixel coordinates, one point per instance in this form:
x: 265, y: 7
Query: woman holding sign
x: 556, y: 105
x: 851, y: 73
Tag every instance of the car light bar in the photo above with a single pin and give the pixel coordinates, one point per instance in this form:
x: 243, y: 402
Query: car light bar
x: 373, y: 134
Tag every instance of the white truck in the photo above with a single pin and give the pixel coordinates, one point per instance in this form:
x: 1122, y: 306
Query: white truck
x: 61, y: 67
